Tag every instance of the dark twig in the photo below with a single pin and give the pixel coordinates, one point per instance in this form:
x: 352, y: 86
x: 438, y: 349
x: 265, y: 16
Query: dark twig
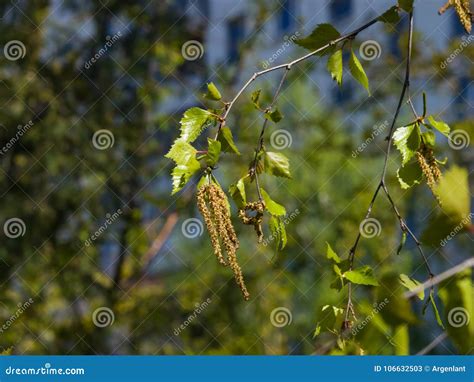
x: 288, y: 66
x: 253, y: 167
x: 403, y: 226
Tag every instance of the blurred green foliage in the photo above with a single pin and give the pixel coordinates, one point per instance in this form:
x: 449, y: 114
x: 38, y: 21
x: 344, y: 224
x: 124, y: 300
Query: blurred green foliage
x: 62, y: 187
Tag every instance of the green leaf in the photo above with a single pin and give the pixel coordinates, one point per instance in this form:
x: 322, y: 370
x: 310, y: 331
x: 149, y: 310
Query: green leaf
x: 334, y: 66
x: 274, y: 116
x: 317, y: 330
x: 452, y: 191
x: 193, y: 123
x: 237, y: 192
x: 277, y: 228
x: 390, y: 16
x: 255, y: 97
x: 182, y: 173
x: 363, y: 275
x: 358, y: 72
x: 322, y: 35
x: 435, y: 309
x: 212, y: 92
x: 407, y: 140
x: 277, y: 164
x: 409, y: 175
x: 402, y: 242
x: 441, y: 126
x: 272, y: 207
x: 411, y: 284
x: 331, y: 255
x: 227, y: 141
x: 181, y: 152
x: 213, y: 152
x: 406, y: 5
x: 184, y: 155
x: 429, y: 138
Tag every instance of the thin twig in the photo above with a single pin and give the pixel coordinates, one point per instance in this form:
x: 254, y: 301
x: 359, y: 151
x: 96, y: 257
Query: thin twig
x: 253, y: 168
x: 288, y: 66
x: 403, y: 226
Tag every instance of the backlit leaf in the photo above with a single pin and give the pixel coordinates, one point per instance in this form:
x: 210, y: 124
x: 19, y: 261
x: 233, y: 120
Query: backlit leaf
x: 358, y: 72
x: 277, y: 164
x: 272, y: 207
x: 334, y: 66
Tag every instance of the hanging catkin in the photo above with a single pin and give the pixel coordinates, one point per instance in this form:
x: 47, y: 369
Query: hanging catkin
x: 213, y: 205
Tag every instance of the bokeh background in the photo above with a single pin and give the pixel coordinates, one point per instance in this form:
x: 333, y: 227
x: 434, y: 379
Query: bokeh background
x: 102, y: 260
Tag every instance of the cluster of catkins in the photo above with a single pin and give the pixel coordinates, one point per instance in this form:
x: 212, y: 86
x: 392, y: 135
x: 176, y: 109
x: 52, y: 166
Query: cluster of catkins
x: 258, y: 208
x: 214, y: 207
x: 428, y: 164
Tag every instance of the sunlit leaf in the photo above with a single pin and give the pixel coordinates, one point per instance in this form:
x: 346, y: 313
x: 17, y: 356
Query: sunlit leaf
x: 363, y: 275
x: 193, y: 123
x: 334, y: 66
x: 407, y: 140
x: 212, y: 92
x: 272, y: 207
x: 277, y: 164
x: 358, y: 72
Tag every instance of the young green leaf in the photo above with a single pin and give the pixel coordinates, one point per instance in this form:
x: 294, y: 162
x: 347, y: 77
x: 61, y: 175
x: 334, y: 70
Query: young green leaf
x: 213, y: 152
x: 274, y: 116
x: 407, y: 140
x: 441, y: 126
x: 322, y: 35
x: 272, y: 207
x: 358, y: 72
x: 193, y: 123
x: 402, y: 242
x: 363, y: 275
x: 331, y: 255
x: 184, y: 155
x: 435, y: 309
x: 390, y: 16
x: 409, y: 175
x: 237, y: 192
x: 182, y: 173
x: 227, y: 141
x: 429, y: 138
x: 255, y: 97
x: 277, y: 228
x: 411, y: 284
x: 212, y: 92
x: 181, y: 152
x: 334, y: 66
x: 277, y: 164
x: 406, y: 5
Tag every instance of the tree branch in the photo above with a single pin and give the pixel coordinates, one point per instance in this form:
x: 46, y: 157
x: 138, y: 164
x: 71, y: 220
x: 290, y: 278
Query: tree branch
x: 288, y: 66
x: 403, y: 226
